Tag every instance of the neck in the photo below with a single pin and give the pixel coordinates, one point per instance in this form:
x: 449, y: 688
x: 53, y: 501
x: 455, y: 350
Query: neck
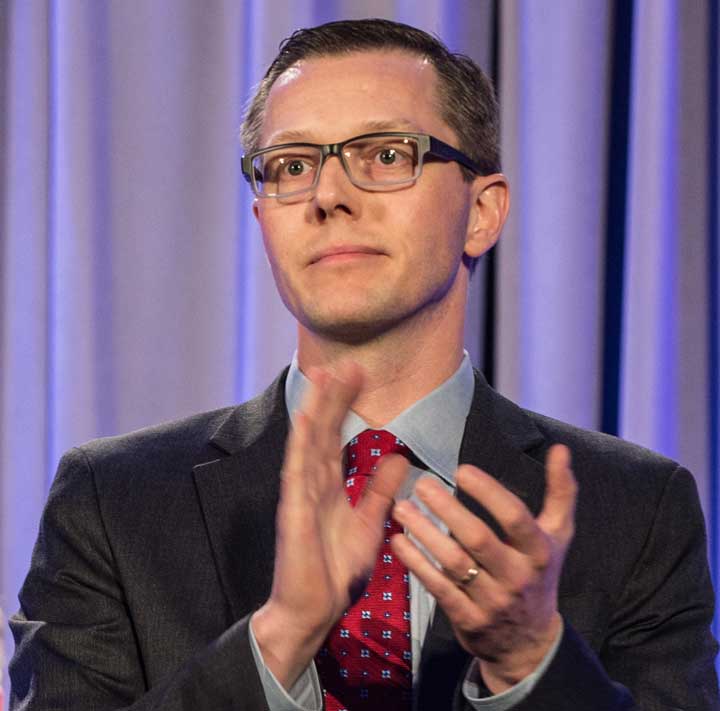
x: 400, y: 365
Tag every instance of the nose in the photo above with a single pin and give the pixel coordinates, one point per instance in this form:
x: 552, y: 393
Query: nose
x: 334, y: 192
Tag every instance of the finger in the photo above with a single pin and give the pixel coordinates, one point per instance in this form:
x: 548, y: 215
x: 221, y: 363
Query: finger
x: 325, y: 405
x: 558, y: 513
x: 296, y: 481
x: 457, y: 605
x: 451, y: 556
x: 374, y: 506
x: 475, y: 542
x: 522, y: 530
x: 310, y: 406
x: 317, y: 382
x: 334, y: 399
x: 344, y: 386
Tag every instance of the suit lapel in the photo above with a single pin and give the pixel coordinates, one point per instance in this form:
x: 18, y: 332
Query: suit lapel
x: 238, y: 494
x: 499, y: 438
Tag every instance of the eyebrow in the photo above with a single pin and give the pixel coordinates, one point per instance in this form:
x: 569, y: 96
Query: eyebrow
x: 305, y: 136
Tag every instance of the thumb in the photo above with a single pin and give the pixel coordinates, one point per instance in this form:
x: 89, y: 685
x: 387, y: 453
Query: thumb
x: 558, y: 514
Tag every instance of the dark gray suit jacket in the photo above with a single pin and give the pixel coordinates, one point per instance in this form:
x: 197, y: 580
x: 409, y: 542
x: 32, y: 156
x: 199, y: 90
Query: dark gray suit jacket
x: 155, y: 547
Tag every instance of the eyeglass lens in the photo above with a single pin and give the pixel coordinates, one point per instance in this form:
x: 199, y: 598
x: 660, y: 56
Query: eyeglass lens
x: 370, y: 161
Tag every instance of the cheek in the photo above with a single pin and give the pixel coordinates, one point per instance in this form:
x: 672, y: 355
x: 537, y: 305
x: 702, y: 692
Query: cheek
x: 442, y: 221
x: 445, y: 195
x: 276, y: 230
x: 278, y: 257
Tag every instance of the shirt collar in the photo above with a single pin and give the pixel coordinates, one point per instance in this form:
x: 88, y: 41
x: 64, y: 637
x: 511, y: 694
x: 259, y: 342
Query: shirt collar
x: 432, y: 427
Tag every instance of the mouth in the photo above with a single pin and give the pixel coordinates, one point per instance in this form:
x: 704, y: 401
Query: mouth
x: 344, y: 253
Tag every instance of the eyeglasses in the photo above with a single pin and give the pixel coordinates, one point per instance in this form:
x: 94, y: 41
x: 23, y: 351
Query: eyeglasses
x: 381, y: 161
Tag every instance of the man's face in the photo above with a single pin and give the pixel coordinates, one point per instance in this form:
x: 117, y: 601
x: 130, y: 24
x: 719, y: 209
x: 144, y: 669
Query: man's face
x: 349, y: 263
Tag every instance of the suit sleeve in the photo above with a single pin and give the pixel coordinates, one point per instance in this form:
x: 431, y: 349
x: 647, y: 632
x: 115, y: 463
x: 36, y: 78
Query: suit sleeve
x: 75, y: 646
x: 658, y: 653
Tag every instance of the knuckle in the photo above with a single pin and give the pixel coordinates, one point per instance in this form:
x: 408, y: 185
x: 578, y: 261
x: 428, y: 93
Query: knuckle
x: 516, y: 520
x: 458, y: 561
x: 570, y: 531
x: 477, y: 540
x: 473, y: 621
x: 571, y: 485
x: 543, y: 556
x: 503, y: 600
x: 444, y: 596
x: 513, y: 591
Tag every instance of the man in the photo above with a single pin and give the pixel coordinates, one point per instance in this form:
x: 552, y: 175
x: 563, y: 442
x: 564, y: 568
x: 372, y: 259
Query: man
x: 197, y: 566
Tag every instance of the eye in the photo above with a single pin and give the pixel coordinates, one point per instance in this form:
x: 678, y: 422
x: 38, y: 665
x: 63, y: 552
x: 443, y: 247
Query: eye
x: 296, y: 167
x: 390, y: 155
x: 387, y: 156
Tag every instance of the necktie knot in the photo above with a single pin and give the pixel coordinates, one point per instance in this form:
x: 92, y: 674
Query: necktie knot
x: 363, y: 455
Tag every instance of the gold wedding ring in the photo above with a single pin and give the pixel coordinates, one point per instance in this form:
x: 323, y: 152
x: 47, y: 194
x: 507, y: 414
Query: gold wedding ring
x: 471, y: 574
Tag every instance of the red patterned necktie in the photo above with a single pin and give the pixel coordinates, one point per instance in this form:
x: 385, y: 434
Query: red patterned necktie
x: 365, y: 660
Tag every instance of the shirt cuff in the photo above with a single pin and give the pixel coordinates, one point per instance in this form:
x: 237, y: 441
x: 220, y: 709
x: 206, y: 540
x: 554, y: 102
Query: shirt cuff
x: 473, y: 684
x: 304, y: 695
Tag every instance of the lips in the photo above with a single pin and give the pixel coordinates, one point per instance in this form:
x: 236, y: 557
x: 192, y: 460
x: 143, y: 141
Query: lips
x: 343, y: 252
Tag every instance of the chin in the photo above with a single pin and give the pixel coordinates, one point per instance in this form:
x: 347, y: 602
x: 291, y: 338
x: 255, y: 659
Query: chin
x: 350, y: 329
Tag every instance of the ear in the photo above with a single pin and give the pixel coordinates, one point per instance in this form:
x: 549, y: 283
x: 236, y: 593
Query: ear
x: 489, y: 209
x: 255, y: 210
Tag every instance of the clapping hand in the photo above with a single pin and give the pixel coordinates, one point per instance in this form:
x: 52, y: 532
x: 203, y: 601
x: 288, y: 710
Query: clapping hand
x: 325, y: 549
x: 499, y: 595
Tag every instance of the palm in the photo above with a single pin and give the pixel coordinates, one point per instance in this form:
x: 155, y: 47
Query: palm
x: 351, y: 550
x: 326, y: 548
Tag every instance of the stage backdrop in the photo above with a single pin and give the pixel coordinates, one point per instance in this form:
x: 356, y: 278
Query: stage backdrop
x: 133, y: 284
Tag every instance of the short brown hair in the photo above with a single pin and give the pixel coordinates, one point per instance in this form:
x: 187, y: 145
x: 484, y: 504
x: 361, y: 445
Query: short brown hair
x: 466, y: 95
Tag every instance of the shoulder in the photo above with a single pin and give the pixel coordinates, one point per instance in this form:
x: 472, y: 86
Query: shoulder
x: 629, y: 500
x: 610, y: 463
x: 599, y: 459
x: 598, y: 448
x: 170, y: 449
x: 185, y: 439
x: 622, y: 486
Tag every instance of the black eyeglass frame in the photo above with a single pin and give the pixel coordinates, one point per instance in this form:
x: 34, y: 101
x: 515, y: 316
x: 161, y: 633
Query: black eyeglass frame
x: 427, y: 145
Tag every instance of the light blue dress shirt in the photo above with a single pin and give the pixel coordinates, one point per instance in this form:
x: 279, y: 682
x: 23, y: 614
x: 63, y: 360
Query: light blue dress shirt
x: 432, y: 428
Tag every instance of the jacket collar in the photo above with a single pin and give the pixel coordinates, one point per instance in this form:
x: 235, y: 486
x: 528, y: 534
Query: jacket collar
x: 503, y: 440
x: 254, y: 420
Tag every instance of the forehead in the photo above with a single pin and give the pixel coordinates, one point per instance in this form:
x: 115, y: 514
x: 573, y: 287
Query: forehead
x: 328, y: 99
